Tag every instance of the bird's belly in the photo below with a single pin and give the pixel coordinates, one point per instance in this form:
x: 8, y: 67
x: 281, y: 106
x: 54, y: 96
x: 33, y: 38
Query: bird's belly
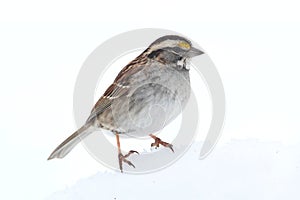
x: 151, y: 106
x: 156, y: 96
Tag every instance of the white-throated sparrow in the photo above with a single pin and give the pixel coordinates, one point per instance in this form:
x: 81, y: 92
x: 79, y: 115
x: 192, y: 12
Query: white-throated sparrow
x: 157, y: 77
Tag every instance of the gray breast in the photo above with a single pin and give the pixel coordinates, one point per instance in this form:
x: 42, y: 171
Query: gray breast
x: 157, y: 95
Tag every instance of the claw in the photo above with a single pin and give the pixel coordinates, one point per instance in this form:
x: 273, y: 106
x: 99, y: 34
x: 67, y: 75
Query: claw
x: 131, y: 152
x: 158, y: 141
x: 129, y: 163
x: 123, y: 159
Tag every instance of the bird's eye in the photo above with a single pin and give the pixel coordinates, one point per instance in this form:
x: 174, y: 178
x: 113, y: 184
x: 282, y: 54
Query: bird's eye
x: 184, y: 45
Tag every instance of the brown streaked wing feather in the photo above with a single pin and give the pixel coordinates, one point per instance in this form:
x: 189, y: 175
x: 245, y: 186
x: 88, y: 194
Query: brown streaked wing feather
x: 104, y: 103
x: 119, y: 88
x: 134, y: 66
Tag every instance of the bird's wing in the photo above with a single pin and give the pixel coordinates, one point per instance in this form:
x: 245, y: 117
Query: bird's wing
x: 120, y: 87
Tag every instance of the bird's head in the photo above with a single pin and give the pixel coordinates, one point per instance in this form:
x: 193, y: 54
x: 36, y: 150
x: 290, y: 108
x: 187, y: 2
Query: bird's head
x: 171, y: 49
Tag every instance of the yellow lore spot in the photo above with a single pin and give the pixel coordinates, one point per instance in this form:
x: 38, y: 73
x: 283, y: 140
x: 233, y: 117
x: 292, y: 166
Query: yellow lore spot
x: 184, y: 45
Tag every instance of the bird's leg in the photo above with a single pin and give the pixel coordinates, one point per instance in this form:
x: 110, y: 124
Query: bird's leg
x: 158, y: 141
x: 122, y: 158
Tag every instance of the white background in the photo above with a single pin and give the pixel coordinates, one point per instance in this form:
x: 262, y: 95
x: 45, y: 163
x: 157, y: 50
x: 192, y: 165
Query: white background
x: 254, y: 44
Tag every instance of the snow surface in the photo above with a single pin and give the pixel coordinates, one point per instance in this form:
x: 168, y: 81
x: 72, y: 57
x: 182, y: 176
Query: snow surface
x: 241, y: 169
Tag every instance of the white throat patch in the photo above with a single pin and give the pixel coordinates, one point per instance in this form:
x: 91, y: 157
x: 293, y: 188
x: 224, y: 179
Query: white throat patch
x: 183, y: 64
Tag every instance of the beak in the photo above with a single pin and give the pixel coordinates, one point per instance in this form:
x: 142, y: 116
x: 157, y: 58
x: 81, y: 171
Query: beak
x: 194, y: 52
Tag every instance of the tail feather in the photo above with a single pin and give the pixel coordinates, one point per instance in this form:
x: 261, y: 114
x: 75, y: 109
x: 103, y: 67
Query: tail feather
x: 66, y: 146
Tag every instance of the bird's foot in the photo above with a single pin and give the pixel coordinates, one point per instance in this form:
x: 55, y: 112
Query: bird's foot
x: 158, y: 141
x: 122, y: 158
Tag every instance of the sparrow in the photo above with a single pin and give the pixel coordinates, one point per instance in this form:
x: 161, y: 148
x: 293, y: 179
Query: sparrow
x: 157, y: 77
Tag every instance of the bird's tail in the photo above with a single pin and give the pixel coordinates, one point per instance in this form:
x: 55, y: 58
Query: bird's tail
x: 66, y: 146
